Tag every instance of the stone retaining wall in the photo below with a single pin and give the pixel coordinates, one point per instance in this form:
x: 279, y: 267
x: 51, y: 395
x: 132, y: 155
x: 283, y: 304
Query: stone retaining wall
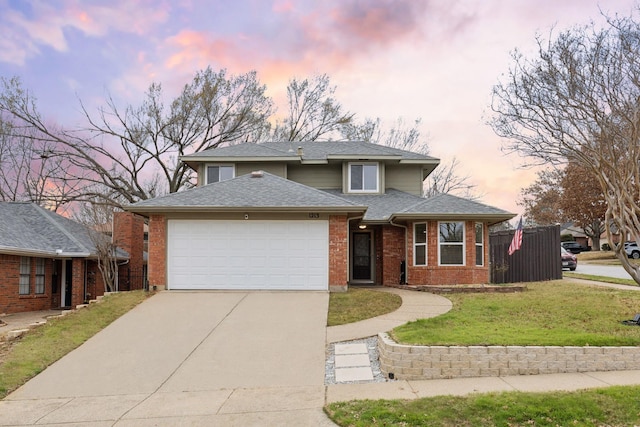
x: 432, y: 362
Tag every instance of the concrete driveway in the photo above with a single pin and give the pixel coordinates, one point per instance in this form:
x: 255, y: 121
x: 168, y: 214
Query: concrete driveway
x: 190, y: 358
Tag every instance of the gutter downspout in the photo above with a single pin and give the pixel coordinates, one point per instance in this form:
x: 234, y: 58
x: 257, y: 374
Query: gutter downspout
x: 406, y: 250
x: 349, y: 245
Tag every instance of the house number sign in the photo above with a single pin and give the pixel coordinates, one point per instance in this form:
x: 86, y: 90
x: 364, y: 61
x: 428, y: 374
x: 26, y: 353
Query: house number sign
x: 314, y: 215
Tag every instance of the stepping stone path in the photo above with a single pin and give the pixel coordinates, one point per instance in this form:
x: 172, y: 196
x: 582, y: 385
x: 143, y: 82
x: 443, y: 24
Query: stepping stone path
x: 352, y: 363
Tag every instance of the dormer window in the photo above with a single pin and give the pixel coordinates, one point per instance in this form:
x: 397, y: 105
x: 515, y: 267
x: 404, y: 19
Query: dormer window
x: 219, y: 173
x: 363, y: 177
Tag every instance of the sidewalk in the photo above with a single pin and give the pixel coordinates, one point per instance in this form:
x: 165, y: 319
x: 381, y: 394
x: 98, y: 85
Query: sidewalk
x: 423, y: 305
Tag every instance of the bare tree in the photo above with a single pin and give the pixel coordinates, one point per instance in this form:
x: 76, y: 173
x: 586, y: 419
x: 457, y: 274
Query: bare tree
x: 29, y: 171
x: 542, y: 199
x: 583, y: 202
x: 98, y: 218
x: 313, y: 112
x: 133, y: 151
x: 446, y: 179
x: 399, y: 135
x: 578, y: 99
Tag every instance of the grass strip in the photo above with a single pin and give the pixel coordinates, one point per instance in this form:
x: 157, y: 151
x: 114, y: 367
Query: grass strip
x: 604, y: 279
x: 359, y: 304
x: 548, y: 313
x: 45, y: 344
x: 613, y: 406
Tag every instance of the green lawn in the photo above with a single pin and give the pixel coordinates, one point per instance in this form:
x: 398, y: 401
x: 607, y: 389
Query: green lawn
x: 613, y: 406
x: 548, y: 313
x: 614, y: 280
x: 45, y: 344
x: 358, y: 304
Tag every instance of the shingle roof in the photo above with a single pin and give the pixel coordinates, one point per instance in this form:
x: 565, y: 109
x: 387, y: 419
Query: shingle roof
x: 28, y: 228
x: 263, y: 192
x: 447, y: 205
x: 321, y: 150
x: 395, y: 203
x: 381, y: 206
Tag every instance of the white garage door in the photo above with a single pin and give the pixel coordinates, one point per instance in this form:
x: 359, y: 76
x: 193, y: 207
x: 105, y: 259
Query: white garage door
x: 205, y: 254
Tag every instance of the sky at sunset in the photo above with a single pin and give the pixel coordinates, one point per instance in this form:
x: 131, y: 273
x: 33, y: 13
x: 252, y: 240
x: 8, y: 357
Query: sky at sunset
x: 436, y: 60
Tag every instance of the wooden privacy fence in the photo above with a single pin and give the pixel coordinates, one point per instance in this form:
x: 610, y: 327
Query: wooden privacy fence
x: 538, y: 258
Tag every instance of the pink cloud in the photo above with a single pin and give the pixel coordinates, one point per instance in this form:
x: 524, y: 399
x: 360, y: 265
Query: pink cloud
x: 22, y: 36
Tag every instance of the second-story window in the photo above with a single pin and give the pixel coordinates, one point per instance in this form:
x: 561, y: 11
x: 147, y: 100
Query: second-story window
x: 363, y: 177
x: 219, y: 173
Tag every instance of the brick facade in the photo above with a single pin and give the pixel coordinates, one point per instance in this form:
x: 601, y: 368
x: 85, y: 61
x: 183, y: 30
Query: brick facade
x: 393, y: 253
x: 158, y: 251
x: 338, y: 252
x: 434, y: 274
x: 128, y: 234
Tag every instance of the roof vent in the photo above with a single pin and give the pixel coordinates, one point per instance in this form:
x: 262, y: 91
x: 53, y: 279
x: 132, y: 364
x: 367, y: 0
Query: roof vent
x: 257, y: 174
x: 300, y: 151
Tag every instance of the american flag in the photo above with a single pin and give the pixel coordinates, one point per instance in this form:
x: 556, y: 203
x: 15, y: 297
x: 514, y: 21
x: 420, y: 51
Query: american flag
x: 517, y: 239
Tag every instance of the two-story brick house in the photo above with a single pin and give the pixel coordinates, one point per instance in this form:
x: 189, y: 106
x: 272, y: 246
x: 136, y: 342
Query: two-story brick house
x: 315, y: 216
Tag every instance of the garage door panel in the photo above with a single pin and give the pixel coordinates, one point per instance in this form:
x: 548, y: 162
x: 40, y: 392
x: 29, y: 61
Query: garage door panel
x: 247, y: 254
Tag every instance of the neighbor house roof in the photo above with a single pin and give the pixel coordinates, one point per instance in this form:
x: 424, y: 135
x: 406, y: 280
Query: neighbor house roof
x: 309, y: 152
x: 256, y: 191
x: 28, y: 229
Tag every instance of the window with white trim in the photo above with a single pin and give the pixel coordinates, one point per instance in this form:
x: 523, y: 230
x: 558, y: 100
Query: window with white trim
x: 363, y: 177
x: 39, y: 275
x: 217, y: 173
x: 479, y: 244
x: 25, y: 276
x: 451, y: 243
x: 420, y: 243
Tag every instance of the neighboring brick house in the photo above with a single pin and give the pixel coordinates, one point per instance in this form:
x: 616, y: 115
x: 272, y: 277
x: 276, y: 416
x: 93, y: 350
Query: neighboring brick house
x: 314, y: 216
x: 48, y: 261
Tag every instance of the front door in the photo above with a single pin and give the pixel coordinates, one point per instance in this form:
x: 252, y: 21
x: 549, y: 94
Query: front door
x: 362, y: 259
x: 66, y: 285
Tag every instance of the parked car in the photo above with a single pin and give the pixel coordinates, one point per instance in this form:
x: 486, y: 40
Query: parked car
x: 575, y: 247
x: 632, y: 250
x: 569, y: 260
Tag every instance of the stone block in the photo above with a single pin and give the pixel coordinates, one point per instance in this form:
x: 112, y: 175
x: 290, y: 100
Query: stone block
x: 477, y: 350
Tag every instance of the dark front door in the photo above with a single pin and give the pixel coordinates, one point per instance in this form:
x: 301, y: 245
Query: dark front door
x: 67, y: 283
x: 362, y: 261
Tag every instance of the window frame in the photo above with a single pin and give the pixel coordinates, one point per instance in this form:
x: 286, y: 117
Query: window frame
x: 39, y: 287
x: 219, y: 166
x: 25, y: 276
x: 363, y: 190
x: 479, y: 244
x: 461, y: 244
x: 417, y: 244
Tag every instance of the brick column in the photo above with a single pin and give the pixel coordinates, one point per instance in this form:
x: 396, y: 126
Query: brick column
x: 338, y: 253
x: 128, y: 234
x: 77, y: 281
x: 157, y: 263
